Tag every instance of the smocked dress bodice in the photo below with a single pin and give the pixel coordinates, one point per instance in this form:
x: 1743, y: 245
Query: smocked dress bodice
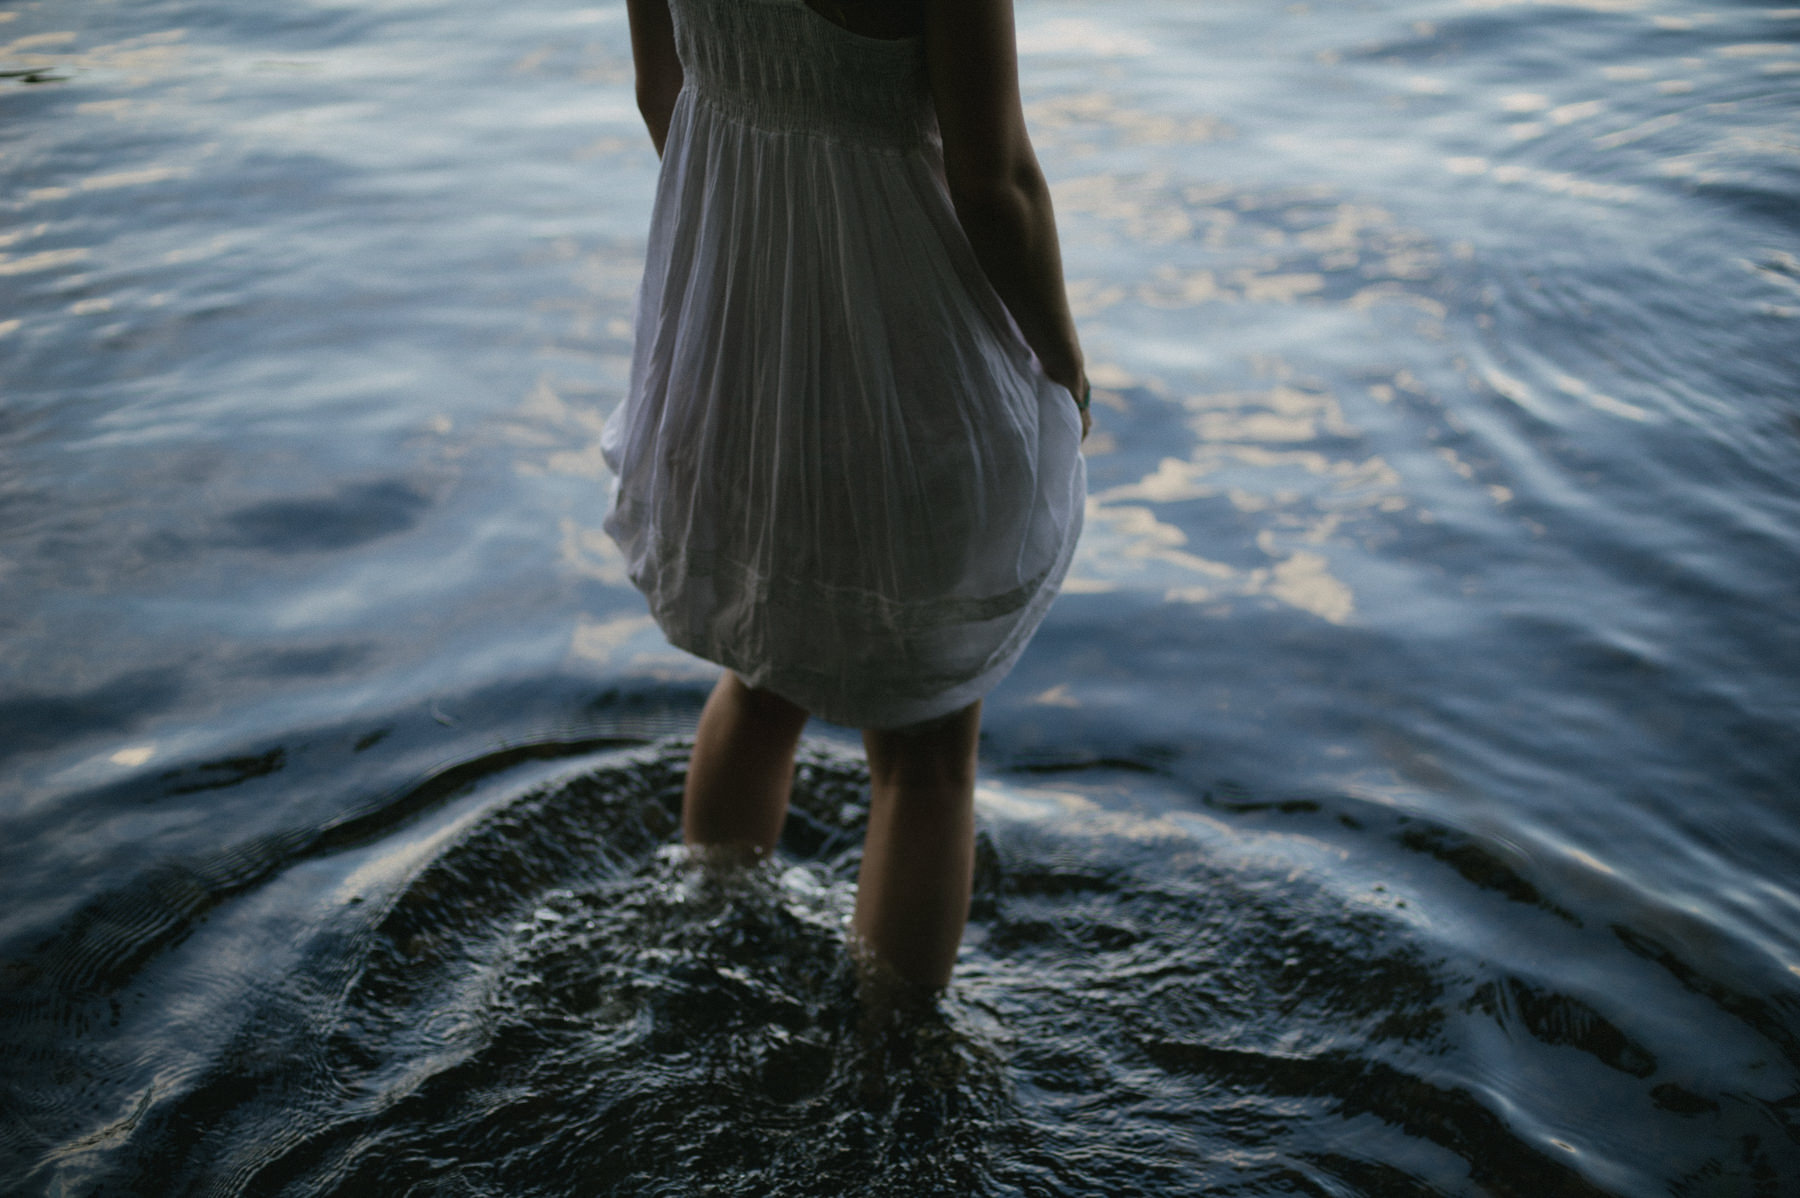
x: 779, y: 65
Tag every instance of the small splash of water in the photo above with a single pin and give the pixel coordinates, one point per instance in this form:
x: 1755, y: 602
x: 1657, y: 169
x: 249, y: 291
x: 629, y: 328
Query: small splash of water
x: 559, y: 999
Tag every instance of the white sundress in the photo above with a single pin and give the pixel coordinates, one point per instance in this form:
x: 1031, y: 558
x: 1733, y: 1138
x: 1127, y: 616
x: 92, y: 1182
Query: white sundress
x: 839, y: 470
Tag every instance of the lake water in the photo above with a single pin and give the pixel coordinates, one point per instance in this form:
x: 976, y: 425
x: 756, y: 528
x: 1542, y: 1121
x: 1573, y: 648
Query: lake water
x: 1404, y: 798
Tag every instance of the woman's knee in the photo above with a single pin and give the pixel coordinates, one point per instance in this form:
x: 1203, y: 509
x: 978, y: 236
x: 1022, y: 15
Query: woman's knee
x: 921, y: 776
x: 766, y: 706
x: 936, y: 755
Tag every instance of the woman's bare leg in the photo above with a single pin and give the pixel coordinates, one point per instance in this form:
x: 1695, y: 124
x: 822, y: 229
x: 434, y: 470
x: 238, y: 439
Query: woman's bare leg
x: 912, y: 898
x: 742, y: 768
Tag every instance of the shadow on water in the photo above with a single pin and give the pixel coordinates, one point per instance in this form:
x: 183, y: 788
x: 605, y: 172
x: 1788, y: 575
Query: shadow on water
x: 354, y: 515
x: 508, y: 980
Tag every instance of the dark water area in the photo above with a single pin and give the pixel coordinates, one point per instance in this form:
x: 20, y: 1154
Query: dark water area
x: 1404, y: 799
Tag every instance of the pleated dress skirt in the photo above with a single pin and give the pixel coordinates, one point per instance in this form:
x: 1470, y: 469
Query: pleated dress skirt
x: 839, y: 470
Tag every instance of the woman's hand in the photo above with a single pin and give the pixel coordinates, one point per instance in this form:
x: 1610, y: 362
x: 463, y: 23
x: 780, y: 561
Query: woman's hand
x: 1081, y: 391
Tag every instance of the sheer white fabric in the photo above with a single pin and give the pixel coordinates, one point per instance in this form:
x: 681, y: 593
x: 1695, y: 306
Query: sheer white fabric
x: 840, y: 470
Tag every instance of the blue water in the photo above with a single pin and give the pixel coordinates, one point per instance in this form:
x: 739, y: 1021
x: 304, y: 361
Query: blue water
x: 1402, y: 799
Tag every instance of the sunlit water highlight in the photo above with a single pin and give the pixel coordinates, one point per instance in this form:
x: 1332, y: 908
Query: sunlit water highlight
x: 1401, y: 801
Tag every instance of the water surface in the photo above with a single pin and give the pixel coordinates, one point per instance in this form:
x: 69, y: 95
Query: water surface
x: 1400, y: 801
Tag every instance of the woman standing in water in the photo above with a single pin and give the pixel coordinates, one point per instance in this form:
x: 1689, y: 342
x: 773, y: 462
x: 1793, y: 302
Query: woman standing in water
x: 848, y: 465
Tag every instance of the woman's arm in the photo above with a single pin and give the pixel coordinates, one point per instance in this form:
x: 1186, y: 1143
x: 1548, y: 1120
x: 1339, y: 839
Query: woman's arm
x: 658, y: 68
x: 1002, y: 201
